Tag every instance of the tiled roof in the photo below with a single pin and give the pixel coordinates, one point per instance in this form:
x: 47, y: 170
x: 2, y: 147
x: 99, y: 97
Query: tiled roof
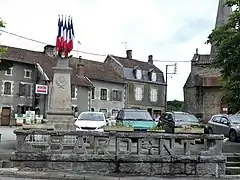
x: 131, y: 63
x: 101, y: 71
x: 45, y: 61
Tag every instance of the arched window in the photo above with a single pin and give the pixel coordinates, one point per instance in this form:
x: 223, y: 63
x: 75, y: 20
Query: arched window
x: 7, y: 88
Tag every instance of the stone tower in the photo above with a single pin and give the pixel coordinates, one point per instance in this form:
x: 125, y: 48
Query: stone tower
x: 202, y: 90
x: 223, y: 14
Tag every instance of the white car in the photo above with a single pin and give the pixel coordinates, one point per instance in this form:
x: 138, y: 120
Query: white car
x: 91, y: 121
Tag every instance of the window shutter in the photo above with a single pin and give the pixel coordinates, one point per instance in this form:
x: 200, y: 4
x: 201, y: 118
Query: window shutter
x: 21, y: 89
x: 72, y: 91
x: 111, y: 95
x: 120, y: 96
x: 27, y: 90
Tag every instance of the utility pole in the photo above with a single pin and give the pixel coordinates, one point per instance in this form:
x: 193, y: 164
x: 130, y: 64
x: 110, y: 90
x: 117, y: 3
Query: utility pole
x: 166, y: 75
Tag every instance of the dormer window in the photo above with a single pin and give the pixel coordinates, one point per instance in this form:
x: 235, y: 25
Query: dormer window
x: 138, y: 74
x: 153, y: 76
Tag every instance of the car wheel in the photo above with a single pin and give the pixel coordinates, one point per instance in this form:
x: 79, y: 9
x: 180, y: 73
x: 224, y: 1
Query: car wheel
x: 232, y: 135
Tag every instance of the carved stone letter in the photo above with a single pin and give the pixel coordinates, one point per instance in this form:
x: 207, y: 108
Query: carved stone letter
x: 79, y: 146
x: 55, y: 144
x: 101, y: 144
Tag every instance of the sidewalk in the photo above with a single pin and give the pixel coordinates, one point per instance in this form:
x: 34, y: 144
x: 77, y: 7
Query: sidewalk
x: 12, y: 173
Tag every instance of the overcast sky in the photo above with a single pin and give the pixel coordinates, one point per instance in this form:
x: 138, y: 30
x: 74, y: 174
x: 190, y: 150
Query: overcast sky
x: 167, y: 29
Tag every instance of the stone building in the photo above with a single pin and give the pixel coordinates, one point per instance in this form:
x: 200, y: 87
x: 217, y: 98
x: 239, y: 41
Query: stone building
x: 202, y: 90
x: 19, y: 82
x: 145, y: 88
x: 107, y: 96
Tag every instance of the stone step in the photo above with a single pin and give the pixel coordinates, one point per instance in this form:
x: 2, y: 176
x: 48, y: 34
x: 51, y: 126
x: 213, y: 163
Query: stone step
x: 233, y: 158
x: 232, y: 170
x: 233, y: 164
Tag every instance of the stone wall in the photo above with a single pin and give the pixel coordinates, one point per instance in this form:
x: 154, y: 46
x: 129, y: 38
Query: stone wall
x: 125, y: 153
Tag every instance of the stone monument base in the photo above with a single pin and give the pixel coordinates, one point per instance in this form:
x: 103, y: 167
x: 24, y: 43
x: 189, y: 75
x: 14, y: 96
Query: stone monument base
x: 61, y: 121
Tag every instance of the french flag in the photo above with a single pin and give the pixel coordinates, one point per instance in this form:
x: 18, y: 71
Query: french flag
x: 59, y: 36
x: 65, y: 37
x: 71, y: 35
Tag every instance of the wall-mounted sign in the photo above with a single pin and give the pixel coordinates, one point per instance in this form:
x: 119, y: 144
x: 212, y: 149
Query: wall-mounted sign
x: 41, y: 89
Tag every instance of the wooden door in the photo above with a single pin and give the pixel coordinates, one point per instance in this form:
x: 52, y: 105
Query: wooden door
x: 5, y: 116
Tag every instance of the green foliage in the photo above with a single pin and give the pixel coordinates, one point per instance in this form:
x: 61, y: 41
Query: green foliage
x: 226, y: 41
x: 174, y: 105
x: 4, y: 65
x: 156, y: 128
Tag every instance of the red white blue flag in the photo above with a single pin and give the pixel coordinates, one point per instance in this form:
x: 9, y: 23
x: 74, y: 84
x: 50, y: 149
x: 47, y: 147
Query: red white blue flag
x: 65, y: 37
x: 71, y: 35
x: 59, y: 36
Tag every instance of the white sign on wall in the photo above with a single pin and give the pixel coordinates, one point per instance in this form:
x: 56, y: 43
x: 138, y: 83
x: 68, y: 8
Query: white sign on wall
x: 41, y: 89
x: 30, y: 117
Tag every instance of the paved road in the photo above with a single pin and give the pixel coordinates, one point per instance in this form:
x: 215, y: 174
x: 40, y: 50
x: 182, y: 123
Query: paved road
x: 126, y: 178
x: 9, y: 178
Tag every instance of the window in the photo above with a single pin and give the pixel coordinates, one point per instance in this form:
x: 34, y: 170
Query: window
x: 154, y: 76
x: 137, y: 115
x: 138, y: 74
x: 114, y: 112
x: 9, y: 72
x: 104, y: 111
x: 93, y: 93
x: 25, y: 90
x: 103, y: 94
x: 138, y: 93
x: 27, y: 73
x: 225, y: 109
x: 7, y: 88
x: 224, y: 120
x: 73, y: 91
x: 153, y: 95
x: 216, y: 119
x: 116, y: 95
x: 91, y: 116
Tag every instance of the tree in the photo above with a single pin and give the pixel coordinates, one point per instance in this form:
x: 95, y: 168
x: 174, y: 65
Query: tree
x: 174, y: 105
x: 226, y: 42
x: 4, y: 65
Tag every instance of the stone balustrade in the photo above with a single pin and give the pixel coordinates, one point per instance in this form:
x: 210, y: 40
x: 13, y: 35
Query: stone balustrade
x: 119, y: 152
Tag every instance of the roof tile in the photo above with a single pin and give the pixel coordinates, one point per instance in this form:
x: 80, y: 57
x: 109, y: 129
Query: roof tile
x: 131, y: 63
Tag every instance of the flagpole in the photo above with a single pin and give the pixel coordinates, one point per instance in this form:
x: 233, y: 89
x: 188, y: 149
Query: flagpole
x: 77, y: 49
x: 78, y: 43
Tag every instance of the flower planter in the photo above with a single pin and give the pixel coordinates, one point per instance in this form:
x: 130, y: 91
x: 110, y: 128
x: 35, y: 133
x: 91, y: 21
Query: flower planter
x: 118, y: 128
x: 189, y: 130
x: 156, y: 130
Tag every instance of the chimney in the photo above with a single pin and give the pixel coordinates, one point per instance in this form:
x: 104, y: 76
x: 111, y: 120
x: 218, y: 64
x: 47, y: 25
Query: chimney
x: 150, y: 59
x: 129, y: 54
x: 50, y: 50
x: 81, y: 70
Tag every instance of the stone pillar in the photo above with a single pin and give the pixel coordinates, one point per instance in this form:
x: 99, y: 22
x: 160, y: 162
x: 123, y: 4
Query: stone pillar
x: 60, y: 113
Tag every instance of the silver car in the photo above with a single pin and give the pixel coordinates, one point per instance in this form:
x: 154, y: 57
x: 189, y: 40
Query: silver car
x: 229, y: 125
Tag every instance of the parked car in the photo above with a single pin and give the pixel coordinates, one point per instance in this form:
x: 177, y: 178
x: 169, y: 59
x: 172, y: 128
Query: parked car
x: 91, y: 121
x: 228, y: 125
x: 140, y: 120
x: 171, y: 120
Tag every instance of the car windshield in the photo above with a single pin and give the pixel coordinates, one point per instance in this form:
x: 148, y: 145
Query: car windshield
x: 186, y: 118
x: 235, y: 119
x: 137, y: 115
x: 91, y: 117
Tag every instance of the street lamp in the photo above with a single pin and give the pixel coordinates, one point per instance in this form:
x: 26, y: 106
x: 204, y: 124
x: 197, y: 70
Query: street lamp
x: 166, y: 75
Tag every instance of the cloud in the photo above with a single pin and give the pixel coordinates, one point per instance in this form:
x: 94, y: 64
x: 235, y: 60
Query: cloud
x: 169, y: 30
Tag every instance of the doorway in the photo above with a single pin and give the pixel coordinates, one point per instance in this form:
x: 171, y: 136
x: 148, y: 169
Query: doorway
x: 5, y: 116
